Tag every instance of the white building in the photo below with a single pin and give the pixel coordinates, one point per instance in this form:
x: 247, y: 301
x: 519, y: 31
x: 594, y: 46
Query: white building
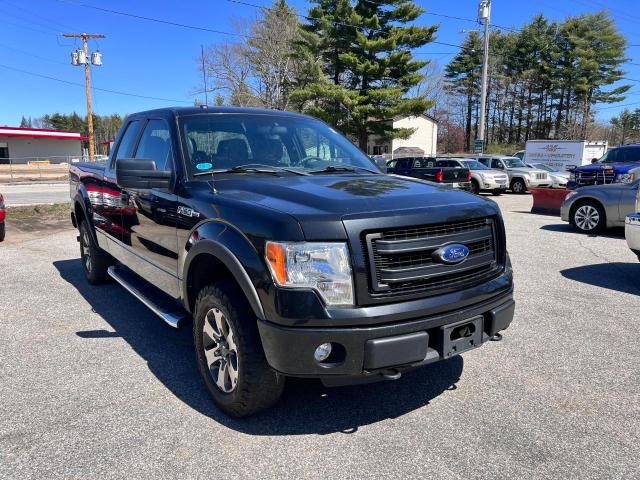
x: 22, y: 145
x: 424, y: 137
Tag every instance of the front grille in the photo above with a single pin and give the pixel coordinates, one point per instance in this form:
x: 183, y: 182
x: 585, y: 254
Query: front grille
x: 541, y: 176
x: 595, y: 178
x: 401, y: 260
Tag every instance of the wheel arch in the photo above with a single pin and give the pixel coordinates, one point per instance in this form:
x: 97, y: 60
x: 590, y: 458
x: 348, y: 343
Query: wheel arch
x: 210, y: 260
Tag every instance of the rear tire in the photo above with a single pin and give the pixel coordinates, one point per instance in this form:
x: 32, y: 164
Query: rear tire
x: 95, y: 261
x: 229, y: 352
x: 2, y: 231
x: 518, y: 186
x: 475, y: 187
x: 588, y: 217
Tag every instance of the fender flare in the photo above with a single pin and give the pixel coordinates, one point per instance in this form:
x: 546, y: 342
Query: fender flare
x: 229, y: 259
x: 82, y: 198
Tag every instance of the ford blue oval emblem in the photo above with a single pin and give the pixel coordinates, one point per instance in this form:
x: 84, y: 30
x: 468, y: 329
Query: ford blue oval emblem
x: 451, y: 254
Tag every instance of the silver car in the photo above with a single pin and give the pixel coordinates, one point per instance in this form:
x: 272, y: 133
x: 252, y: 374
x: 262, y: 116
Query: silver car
x: 596, y: 207
x: 483, y: 179
x: 632, y: 228
x: 521, y: 177
x: 559, y: 179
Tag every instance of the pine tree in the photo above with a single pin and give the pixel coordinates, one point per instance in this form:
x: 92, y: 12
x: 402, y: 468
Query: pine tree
x: 363, y: 50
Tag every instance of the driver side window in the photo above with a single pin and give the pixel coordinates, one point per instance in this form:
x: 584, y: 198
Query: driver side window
x: 497, y: 163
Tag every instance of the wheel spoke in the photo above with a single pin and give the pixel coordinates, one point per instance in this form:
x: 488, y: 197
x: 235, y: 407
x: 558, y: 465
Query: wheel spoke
x: 233, y: 371
x: 220, y: 323
x: 222, y: 377
x: 209, y: 330
x: 231, y: 341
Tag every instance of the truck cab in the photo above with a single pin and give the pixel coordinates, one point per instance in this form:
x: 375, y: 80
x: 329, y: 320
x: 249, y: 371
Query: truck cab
x: 287, y: 251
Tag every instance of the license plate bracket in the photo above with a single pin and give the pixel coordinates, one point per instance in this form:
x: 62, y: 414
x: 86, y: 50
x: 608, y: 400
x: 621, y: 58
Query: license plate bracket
x: 461, y: 336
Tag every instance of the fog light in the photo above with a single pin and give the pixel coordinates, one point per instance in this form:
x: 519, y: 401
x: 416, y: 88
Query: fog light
x: 322, y: 352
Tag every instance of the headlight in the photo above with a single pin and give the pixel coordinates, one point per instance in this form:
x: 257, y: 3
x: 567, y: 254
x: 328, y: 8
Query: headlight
x: 625, y: 178
x: 324, y: 267
x: 572, y: 176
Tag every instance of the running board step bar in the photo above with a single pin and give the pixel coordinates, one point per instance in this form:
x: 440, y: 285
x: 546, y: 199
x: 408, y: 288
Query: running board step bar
x: 158, y: 302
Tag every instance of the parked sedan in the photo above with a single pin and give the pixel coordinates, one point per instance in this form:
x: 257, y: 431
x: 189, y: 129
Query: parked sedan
x: 593, y: 208
x: 558, y: 178
x: 3, y: 214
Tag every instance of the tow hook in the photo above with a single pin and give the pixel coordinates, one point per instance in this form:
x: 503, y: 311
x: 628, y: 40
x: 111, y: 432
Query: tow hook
x: 391, y: 374
x: 78, y: 239
x: 496, y: 338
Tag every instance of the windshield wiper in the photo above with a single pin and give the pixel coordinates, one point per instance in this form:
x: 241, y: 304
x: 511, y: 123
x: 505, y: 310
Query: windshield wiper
x: 332, y: 168
x: 250, y: 169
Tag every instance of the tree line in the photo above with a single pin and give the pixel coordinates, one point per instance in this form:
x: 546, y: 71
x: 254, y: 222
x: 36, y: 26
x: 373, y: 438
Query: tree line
x: 544, y: 79
x: 105, y: 127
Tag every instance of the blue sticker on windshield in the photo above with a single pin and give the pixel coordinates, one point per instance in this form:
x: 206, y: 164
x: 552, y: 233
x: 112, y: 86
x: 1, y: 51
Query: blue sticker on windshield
x: 204, y: 166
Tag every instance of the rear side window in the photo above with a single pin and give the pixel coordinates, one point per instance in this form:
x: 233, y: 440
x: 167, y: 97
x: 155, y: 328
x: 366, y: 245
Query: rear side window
x: 628, y: 154
x: 125, y: 148
x: 496, y: 163
x: 155, y: 144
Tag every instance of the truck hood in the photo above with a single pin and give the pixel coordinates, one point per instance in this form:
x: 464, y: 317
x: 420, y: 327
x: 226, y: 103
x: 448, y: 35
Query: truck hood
x: 319, y: 202
x: 618, y: 167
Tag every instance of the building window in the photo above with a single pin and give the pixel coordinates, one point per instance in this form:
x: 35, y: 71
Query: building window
x: 4, y: 152
x: 380, y: 149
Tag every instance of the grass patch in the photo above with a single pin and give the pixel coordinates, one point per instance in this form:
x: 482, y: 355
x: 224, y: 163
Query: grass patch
x: 41, y: 212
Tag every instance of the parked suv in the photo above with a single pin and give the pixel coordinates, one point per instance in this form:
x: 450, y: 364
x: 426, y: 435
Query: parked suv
x: 292, y: 253
x: 521, y: 177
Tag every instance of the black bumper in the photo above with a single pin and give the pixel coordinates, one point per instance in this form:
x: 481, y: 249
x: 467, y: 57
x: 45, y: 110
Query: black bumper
x: 376, y: 352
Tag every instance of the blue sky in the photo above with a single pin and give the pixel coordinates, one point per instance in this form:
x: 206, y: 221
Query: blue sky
x: 158, y: 60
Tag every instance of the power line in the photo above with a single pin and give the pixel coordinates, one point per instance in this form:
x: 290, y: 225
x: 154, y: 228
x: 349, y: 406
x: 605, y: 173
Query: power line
x: 117, y: 92
x: 31, y: 54
x: 151, y: 19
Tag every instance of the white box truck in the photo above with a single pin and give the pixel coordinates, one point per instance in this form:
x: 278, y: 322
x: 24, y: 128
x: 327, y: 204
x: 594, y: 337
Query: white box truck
x: 563, y: 154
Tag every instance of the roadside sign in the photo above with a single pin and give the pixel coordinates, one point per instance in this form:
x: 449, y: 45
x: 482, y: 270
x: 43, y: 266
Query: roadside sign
x: 478, y: 146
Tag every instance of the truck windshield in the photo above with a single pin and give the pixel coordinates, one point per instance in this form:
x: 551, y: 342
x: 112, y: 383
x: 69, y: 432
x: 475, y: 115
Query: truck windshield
x: 222, y: 142
x: 621, y: 155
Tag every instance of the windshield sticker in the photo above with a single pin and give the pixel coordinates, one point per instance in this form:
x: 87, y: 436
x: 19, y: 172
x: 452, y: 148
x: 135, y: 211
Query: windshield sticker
x: 204, y: 166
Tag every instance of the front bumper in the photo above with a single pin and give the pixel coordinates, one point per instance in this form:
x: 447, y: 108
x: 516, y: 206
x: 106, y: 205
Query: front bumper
x: 375, y: 352
x: 535, y: 183
x: 493, y: 184
x: 632, y: 232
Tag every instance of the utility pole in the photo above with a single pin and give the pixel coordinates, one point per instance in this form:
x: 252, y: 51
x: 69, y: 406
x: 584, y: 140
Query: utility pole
x: 80, y: 57
x: 204, y: 77
x: 484, y: 13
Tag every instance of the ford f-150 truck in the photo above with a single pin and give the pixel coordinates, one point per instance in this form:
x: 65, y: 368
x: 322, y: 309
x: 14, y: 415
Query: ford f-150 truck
x: 290, y: 251
x: 614, y: 167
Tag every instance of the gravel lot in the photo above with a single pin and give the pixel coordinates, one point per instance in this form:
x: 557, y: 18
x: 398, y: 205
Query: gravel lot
x: 94, y: 385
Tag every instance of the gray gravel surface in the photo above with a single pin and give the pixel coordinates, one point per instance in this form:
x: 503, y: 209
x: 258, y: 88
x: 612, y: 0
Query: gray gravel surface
x: 93, y: 385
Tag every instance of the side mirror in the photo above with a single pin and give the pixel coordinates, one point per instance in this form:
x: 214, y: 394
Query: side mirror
x: 141, y: 174
x: 594, y: 160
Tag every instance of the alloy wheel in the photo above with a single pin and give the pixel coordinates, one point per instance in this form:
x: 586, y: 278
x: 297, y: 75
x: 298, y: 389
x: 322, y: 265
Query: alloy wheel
x: 587, y: 217
x: 85, y: 250
x: 220, y: 350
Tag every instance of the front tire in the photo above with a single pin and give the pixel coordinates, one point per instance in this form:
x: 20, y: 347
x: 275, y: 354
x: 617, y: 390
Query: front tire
x: 95, y: 261
x: 588, y: 217
x: 475, y: 187
x: 2, y: 232
x: 518, y: 186
x: 497, y: 192
x: 229, y: 352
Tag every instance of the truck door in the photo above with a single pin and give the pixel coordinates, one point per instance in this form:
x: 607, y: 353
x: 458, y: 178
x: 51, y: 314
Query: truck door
x: 153, y: 236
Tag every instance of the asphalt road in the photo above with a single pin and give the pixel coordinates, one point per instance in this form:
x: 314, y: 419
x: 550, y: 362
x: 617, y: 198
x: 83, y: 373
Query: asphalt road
x: 93, y: 385
x: 35, y: 193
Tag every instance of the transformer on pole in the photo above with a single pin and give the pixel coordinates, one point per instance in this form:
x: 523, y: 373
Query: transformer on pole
x: 81, y: 57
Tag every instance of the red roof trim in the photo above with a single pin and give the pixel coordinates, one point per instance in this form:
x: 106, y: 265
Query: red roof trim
x: 46, y: 137
x: 38, y: 129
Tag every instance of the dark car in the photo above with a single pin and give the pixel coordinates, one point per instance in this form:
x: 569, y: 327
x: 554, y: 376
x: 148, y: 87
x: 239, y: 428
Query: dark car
x: 3, y: 215
x: 427, y: 168
x: 292, y: 253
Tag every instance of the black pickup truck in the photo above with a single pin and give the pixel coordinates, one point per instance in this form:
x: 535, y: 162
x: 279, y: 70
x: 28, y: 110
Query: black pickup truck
x: 289, y: 250
x: 427, y: 168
